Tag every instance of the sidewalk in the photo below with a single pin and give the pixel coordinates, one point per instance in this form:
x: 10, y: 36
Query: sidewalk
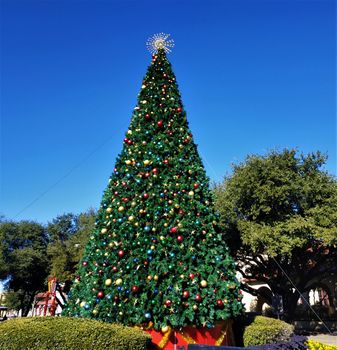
x: 324, y: 338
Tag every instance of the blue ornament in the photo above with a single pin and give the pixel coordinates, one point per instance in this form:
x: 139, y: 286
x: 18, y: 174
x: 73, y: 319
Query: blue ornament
x: 162, y: 194
x: 147, y: 228
x: 120, y: 220
x: 194, y: 257
x: 119, y: 288
x: 150, y: 252
x: 147, y: 315
x: 87, y: 306
x: 155, y: 291
x: 127, y: 292
x: 108, y: 296
x: 150, y: 258
x: 135, y: 260
x: 172, y: 255
x: 197, y: 222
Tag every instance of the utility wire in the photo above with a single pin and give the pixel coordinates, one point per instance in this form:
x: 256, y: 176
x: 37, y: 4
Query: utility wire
x: 69, y: 172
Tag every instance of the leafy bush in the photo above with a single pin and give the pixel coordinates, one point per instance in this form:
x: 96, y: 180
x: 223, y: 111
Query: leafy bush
x: 315, y: 345
x: 64, y: 333
x: 265, y: 330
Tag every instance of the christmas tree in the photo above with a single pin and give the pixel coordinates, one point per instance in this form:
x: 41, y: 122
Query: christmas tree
x: 156, y: 254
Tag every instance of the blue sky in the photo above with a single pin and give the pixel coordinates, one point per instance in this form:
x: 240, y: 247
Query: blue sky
x: 254, y: 76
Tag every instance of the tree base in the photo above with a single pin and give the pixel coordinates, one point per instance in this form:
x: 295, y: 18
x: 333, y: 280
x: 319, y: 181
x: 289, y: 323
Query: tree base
x: 174, y: 339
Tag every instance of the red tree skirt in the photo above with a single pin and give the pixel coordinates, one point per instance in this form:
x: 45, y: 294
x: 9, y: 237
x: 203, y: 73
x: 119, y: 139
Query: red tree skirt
x: 175, y: 339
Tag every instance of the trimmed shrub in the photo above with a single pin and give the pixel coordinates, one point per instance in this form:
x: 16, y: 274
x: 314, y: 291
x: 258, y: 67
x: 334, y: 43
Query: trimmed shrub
x: 65, y: 333
x: 315, y: 345
x: 265, y: 330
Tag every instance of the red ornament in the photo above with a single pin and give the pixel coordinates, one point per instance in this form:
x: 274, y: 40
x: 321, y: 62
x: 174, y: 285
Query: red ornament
x: 186, y: 294
x: 130, y: 142
x: 180, y: 239
x: 219, y: 303
x: 196, y: 185
x: 116, y: 193
x: 191, y: 276
x: 121, y: 253
x: 85, y: 263
x: 146, y: 195
x: 100, y: 295
x: 160, y: 123
x: 155, y: 171
x: 168, y: 303
x: 125, y: 200
x: 146, y: 175
x: 186, y: 304
x: 166, y: 161
x: 100, y: 271
x: 114, y: 269
x: 135, y: 289
x: 126, y: 140
x: 147, y: 116
x: 116, y: 298
x: 174, y: 229
x: 179, y: 109
x: 198, y: 298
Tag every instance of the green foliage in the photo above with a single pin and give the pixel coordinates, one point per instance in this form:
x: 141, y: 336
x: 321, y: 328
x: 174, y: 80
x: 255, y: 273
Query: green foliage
x: 47, y: 333
x: 279, y: 202
x: 315, y: 345
x: 23, y: 256
x: 13, y: 300
x: 265, y: 330
x: 279, y: 213
x: 69, y: 234
x: 156, y: 236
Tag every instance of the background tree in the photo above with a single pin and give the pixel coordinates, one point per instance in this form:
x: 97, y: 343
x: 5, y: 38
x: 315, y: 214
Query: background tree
x: 279, y: 213
x: 23, y: 260
x: 69, y: 234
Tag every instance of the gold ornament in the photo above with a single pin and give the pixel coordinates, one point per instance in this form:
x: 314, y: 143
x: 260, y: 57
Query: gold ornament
x: 131, y: 218
x: 128, y: 162
x: 95, y: 312
x: 146, y: 162
x: 133, y: 204
x: 191, y: 193
x: 109, y: 210
x: 119, y: 281
x: 149, y: 278
x: 104, y: 230
x: 203, y: 283
x: 155, y: 277
x: 164, y: 329
x: 82, y: 304
x: 195, y: 307
x: 108, y: 282
x: 121, y: 208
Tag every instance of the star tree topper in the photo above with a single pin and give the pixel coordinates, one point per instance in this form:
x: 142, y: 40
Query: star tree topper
x: 159, y: 41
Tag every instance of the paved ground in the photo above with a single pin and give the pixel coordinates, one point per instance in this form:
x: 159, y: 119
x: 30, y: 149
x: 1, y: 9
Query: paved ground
x: 325, y: 338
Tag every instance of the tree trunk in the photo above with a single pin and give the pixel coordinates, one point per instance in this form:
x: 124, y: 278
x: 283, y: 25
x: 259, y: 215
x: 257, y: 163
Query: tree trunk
x: 289, y: 305
x: 27, y: 303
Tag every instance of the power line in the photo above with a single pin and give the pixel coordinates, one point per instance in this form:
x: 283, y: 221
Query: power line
x: 69, y: 172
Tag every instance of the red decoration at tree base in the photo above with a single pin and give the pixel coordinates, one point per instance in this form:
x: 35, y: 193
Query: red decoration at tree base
x: 173, y: 339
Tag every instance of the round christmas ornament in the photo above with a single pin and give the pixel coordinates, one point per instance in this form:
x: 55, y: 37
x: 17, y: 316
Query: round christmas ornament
x: 154, y: 258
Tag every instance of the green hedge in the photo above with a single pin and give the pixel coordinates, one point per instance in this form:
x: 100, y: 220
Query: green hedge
x: 65, y: 333
x: 265, y: 330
